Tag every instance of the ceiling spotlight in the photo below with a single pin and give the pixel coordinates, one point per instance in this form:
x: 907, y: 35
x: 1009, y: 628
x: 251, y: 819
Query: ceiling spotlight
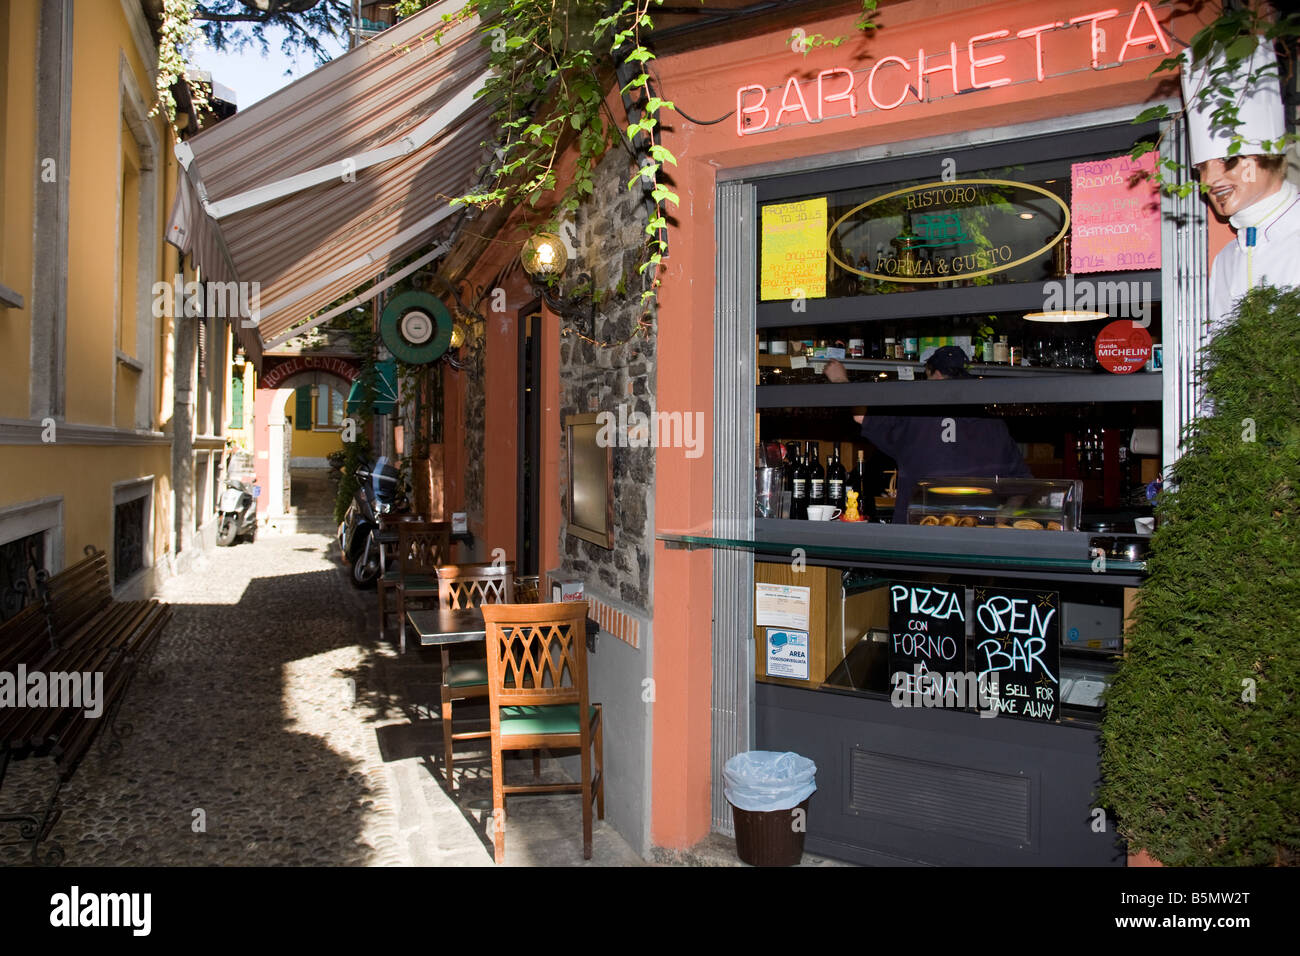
x: 1066, y: 315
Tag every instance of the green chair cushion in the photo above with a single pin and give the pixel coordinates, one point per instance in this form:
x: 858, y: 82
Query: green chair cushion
x: 420, y: 583
x: 549, y: 719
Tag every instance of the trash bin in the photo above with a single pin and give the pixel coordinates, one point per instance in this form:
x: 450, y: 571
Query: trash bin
x: 769, y: 794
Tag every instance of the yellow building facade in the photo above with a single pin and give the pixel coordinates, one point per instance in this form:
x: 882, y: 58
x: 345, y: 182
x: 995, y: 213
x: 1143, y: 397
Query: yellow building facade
x: 90, y: 395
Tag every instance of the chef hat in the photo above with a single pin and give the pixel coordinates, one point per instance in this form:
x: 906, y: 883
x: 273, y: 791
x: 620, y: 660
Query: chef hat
x: 1260, y: 112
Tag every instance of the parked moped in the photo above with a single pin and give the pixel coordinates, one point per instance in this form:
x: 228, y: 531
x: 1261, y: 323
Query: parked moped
x: 238, y: 513
x: 377, y: 493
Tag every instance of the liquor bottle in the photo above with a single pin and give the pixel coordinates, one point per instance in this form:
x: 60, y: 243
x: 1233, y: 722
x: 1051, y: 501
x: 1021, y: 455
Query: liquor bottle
x: 857, y: 480
x: 835, y: 476
x: 816, y: 477
x: 799, y: 490
x: 1001, y: 351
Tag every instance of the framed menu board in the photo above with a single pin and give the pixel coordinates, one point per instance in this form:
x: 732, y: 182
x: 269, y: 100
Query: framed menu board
x: 1016, y: 634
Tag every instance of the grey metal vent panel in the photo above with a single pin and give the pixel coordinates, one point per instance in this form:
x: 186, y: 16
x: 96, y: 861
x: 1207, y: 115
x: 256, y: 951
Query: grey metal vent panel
x: 733, y: 471
x: 970, y: 804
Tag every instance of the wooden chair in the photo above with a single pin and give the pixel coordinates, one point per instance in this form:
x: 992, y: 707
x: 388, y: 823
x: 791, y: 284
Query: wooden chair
x: 422, y: 546
x: 462, y: 586
x: 537, y: 690
x: 388, y: 569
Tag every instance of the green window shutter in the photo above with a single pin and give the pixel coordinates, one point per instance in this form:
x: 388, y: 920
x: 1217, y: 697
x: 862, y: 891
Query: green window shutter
x: 302, y: 408
x: 236, y: 402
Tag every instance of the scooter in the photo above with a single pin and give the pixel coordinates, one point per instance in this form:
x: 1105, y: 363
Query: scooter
x: 238, y: 513
x: 376, y: 494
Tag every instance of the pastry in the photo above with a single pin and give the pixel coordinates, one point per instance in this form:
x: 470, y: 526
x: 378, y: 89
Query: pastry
x: 1053, y: 526
x: 948, y: 521
x: 1028, y: 524
x: 967, y: 522
x: 929, y: 520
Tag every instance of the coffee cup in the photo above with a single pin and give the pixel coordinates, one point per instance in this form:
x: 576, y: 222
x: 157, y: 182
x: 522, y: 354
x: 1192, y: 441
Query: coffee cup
x: 823, y: 512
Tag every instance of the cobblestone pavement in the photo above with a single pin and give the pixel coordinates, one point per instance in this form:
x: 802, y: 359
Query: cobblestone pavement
x: 282, y: 734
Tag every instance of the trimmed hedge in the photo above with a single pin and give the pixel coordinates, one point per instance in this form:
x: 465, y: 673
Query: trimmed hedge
x: 1201, y: 734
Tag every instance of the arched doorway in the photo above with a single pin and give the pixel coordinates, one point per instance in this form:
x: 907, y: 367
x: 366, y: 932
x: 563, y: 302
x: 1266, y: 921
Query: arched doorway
x: 300, y: 409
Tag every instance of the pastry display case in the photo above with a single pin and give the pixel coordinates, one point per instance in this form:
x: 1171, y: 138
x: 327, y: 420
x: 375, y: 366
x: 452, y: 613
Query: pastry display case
x: 1023, y: 503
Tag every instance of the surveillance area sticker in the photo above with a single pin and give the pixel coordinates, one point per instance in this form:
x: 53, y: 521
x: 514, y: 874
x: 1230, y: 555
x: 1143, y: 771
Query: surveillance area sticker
x: 787, y: 653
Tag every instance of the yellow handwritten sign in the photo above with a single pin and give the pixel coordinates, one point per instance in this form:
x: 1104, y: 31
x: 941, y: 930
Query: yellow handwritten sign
x: 794, y: 250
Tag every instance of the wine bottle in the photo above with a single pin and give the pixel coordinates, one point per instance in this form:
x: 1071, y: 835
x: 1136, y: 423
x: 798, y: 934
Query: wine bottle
x: 835, y: 477
x: 799, y: 490
x: 857, y: 480
x: 816, y: 477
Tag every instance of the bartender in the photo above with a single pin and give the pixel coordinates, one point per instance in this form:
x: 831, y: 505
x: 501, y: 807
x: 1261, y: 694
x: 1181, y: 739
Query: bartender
x: 1248, y: 189
x: 931, y: 446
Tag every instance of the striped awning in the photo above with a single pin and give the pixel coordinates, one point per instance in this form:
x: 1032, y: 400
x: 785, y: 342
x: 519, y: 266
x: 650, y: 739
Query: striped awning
x: 319, y: 188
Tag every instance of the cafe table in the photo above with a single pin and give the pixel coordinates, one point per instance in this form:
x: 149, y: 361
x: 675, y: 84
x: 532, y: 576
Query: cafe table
x: 442, y: 627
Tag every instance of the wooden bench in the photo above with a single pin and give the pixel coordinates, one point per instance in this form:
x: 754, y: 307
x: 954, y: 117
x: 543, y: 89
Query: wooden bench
x: 75, y: 628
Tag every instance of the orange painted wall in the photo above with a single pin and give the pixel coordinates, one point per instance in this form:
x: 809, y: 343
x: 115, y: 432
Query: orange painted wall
x: 706, y: 87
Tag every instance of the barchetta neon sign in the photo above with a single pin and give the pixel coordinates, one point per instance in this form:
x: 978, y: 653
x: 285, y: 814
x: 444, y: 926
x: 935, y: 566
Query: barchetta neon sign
x: 892, y: 80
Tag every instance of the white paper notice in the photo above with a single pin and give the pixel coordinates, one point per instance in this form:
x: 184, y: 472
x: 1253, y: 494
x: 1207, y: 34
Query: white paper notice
x: 787, y: 653
x: 781, y: 605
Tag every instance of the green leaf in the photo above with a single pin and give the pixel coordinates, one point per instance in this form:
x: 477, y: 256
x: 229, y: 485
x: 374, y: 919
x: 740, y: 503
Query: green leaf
x: 662, y: 154
x: 1153, y: 113
x: 1240, y: 48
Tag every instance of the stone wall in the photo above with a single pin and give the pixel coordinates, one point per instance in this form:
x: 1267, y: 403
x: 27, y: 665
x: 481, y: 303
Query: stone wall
x: 472, y: 354
x: 593, y: 379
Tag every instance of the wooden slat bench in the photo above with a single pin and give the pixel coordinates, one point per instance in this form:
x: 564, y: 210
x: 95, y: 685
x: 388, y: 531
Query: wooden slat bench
x: 75, y: 628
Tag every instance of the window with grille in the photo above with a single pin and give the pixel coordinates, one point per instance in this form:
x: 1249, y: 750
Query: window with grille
x: 20, y: 562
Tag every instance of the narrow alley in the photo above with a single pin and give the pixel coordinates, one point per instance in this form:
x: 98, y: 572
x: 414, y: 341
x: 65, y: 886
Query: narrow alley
x: 283, y: 733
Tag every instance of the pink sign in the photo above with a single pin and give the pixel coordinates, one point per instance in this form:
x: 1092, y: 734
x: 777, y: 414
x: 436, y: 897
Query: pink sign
x: 1114, y: 215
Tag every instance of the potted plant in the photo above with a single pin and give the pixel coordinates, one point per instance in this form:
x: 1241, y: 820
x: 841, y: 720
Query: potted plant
x: 1201, y: 735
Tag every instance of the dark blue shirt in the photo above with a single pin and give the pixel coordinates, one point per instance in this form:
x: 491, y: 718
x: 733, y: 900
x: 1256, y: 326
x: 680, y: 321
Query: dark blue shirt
x: 980, y: 448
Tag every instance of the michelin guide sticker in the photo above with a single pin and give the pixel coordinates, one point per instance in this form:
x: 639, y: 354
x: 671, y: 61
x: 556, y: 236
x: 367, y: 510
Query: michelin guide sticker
x: 787, y: 653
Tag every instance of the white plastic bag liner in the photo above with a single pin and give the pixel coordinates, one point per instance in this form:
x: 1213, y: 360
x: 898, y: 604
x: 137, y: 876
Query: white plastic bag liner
x: 762, y: 780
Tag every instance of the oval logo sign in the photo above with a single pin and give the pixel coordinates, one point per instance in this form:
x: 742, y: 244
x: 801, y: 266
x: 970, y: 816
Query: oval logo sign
x: 941, y: 231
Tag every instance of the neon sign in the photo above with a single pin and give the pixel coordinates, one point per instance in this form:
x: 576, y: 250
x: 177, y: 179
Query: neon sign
x: 893, y: 80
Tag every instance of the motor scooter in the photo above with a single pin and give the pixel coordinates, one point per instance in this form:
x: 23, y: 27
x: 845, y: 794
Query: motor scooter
x: 377, y: 493
x: 238, y: 511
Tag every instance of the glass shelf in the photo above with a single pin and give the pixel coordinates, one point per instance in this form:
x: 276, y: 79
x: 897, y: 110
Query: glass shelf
x: 1057, y: 554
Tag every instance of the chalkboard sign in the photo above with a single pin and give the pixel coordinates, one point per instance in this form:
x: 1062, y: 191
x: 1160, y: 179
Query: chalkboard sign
x: 1017, y: 636
x: 927, y: 634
